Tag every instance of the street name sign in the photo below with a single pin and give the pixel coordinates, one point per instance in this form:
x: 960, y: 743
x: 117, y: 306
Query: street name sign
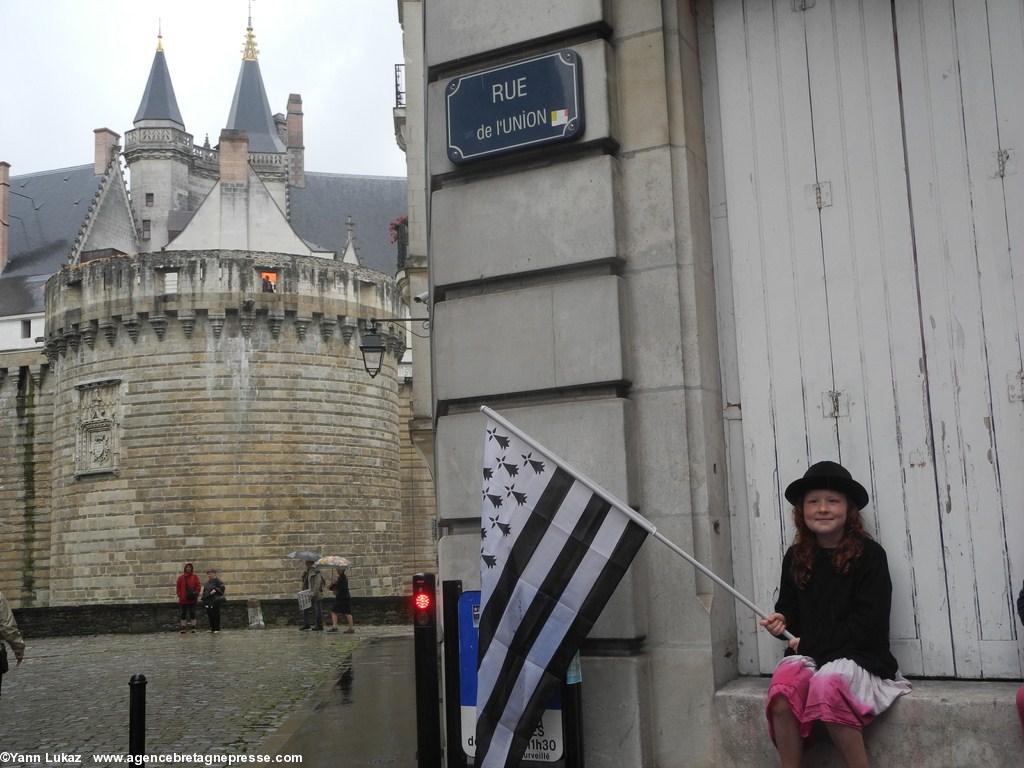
x: 517, y: 106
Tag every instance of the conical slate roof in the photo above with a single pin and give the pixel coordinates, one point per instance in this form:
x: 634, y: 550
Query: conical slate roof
x: 250, y: 110
x: 158, y: 102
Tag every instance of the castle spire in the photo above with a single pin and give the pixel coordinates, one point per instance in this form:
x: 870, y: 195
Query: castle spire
x: 159, y: 35
x: 250, y: 50
x: 250, y: 109
x: 158, y: 101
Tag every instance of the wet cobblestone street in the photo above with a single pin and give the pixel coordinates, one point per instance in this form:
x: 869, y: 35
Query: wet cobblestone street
x: 224, y: 693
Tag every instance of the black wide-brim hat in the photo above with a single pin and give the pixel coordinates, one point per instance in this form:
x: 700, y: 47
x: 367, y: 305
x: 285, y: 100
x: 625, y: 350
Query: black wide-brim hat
x: 827, y: 476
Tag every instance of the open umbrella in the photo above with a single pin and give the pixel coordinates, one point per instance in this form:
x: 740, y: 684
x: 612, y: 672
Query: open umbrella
x: 303, y: 554
x: 333, y: 561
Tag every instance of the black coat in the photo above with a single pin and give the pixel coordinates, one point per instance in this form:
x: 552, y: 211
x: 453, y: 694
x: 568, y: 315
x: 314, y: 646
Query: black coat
x: 842, y: 616
x: 213, y: 592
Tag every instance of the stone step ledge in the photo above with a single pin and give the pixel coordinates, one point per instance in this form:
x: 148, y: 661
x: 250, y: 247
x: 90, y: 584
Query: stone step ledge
x: 943, y: 723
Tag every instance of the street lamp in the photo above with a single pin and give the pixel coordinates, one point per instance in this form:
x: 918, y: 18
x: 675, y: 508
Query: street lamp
x: 372, y: 346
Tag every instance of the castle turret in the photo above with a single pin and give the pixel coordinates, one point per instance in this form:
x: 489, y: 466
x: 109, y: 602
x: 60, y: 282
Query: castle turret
x: 159, y: 152
x: 250, y: 109
x: 159, y: 107
x: 250, y: 112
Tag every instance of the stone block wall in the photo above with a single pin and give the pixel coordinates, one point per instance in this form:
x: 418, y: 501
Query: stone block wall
x: 26, y: 396
x: 419, y: 542
x: 591, y: 320
x: 220, y: 425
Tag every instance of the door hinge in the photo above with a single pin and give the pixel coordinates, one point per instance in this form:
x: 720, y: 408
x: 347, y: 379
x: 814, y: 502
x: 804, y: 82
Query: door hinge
x: 1002, y: 160
x: 1015, y: 386
x: 820, y: 194
x: 803, y: 5
x: 834, y: 404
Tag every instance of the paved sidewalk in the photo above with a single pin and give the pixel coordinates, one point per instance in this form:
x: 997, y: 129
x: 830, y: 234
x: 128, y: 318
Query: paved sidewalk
x: 224, y: 693
x: 364, y: 719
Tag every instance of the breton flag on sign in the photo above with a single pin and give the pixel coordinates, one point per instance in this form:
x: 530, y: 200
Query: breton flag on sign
x: 554, y: 546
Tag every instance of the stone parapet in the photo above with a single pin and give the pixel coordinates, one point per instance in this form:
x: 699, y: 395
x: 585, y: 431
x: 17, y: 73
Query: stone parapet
x: 120, y: 293
x: 161, y: 143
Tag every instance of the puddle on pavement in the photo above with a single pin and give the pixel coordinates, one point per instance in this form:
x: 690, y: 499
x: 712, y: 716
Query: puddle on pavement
x: 346, y: 677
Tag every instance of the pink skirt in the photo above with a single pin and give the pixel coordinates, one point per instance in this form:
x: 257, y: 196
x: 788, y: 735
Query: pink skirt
x: 841, y: 692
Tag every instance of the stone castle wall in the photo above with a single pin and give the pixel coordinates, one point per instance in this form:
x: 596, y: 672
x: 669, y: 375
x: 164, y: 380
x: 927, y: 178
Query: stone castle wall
x: 26, y: 397
x: 219, y: 424
x: 419, y: 542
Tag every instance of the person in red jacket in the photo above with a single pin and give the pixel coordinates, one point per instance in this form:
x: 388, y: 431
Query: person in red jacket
x: 189, y: 589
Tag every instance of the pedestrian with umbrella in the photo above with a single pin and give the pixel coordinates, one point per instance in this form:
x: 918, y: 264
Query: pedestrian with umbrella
x: 313, y: 586
x: 342, y: 597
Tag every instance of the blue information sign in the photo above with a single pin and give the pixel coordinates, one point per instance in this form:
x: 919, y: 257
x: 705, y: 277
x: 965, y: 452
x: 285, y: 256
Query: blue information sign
x: 516, y: 106
x: 546, y: 744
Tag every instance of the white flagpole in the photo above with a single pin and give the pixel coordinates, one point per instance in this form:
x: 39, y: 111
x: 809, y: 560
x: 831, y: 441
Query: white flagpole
x: 631, y: 513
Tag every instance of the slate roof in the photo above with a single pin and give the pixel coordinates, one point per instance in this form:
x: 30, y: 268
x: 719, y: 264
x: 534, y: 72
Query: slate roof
x: 319, y: 211
x: 250, y: 110
x: 158, y: 102
x: 46, y: 211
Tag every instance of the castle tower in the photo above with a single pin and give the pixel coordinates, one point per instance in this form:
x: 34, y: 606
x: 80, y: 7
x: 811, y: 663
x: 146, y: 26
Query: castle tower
x: 159, y: 152
x: 211, y: 406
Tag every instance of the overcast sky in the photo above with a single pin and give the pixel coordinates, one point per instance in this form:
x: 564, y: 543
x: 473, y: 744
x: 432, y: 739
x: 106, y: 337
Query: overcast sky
x: 71, y: 66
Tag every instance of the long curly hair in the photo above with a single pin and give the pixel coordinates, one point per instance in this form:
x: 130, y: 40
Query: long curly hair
x: 805, y: 543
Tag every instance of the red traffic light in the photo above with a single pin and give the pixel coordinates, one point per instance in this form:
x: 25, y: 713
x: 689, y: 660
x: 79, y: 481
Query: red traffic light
x: 422, y: 601
x: 423, y: 608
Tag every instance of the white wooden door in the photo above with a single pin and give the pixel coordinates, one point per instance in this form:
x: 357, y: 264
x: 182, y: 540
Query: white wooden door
x: 834, y: 357
x: 962, y: 68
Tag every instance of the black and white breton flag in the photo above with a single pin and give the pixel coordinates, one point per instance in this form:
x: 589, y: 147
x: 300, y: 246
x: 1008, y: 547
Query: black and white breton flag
x: 553, y: 548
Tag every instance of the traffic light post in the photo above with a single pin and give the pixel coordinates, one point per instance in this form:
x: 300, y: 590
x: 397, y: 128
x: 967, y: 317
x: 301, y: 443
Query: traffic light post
x: 428, y: 713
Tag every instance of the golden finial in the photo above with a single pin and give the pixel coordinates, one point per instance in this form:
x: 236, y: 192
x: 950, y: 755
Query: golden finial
x: 250, y: 50
x: 159, y: 36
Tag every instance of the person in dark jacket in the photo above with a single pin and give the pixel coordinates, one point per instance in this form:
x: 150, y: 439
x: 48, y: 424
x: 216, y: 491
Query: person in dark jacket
x: 9, y: 635
x: 1020, y: 691
x: 834, y: 597
x: 189, y: 588
x: 212, y: 598
x: 313, y: 581
x: 342, y: 602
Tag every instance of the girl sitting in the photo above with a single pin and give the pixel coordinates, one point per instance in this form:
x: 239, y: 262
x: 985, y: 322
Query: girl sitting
x: 834, y: 597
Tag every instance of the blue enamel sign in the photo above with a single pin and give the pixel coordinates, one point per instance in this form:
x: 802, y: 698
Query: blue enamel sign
x: 547, y: 743
x: 516, y: 106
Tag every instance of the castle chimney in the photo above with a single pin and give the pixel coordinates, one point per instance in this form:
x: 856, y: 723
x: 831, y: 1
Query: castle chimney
x: 234, y: 157
x: 5, y: 221
x: 107, y: 143
x: 296, y: 149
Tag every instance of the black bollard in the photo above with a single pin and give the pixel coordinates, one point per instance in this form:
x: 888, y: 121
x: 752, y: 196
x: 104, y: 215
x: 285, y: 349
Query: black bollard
x: 137, y: 715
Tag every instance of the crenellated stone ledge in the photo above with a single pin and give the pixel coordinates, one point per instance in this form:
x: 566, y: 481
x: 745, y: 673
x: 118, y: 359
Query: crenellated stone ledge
x: 219, y: 295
